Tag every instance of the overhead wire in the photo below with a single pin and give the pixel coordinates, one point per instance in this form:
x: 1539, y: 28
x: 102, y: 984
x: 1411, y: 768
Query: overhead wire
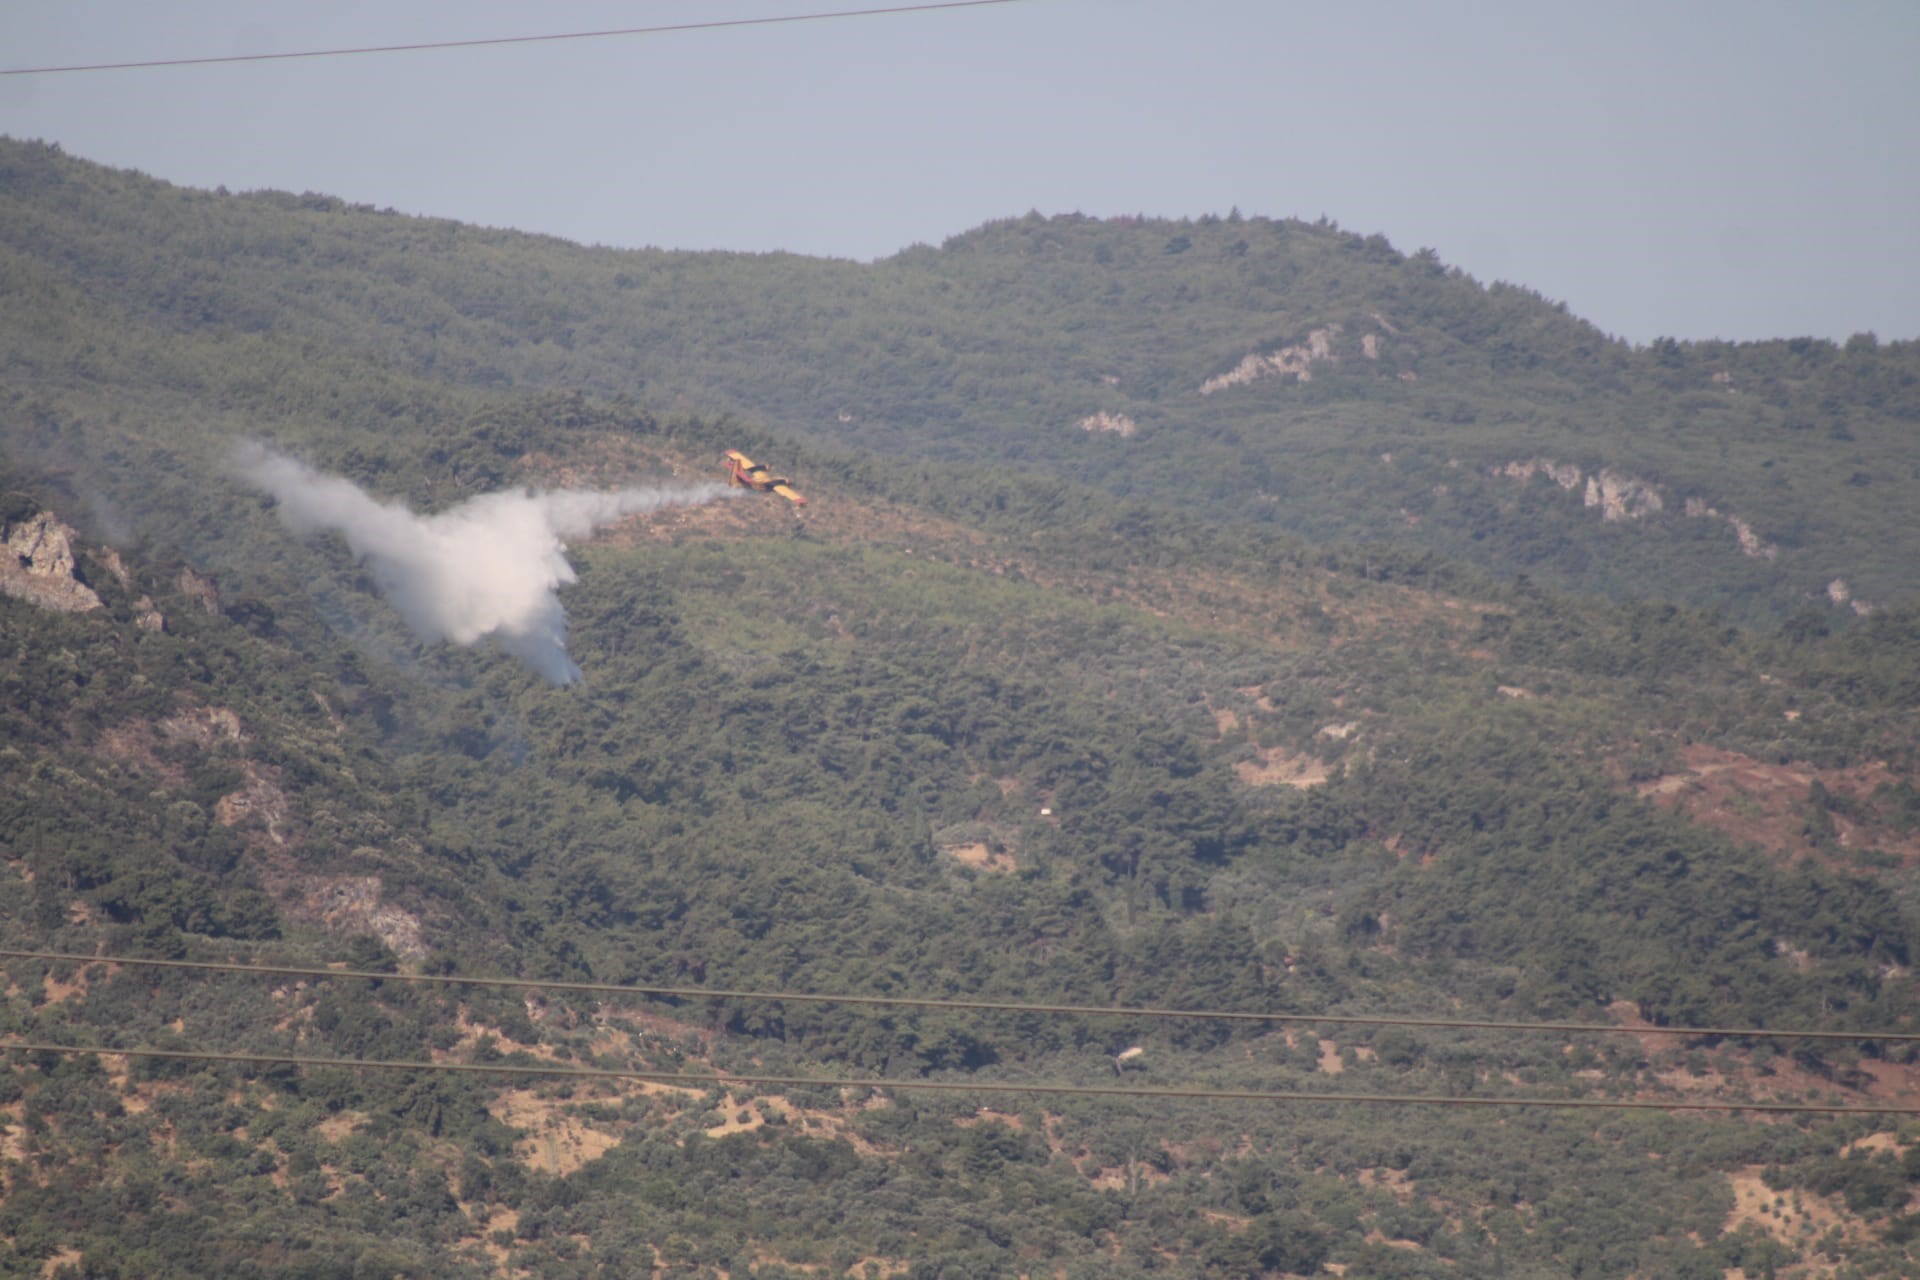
x: 727, y: 1080
x: 972, y: 1005
x: 418, y: 46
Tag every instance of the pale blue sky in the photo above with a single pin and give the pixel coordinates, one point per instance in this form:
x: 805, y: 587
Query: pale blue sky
x: 1707, y: 169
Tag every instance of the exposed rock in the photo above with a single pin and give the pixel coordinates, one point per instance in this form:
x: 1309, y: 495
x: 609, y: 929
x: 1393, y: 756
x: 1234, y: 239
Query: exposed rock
x: 1296, y: 361
x: 349, y: 905
x: 38, y: 566
x: 114, y: 564
x: 1841, y: 595
x: 1566, y: 475
x: 1622, y: 497
x: 138, y: 744
x: 1117, y: 423
x: 260, y: 806
x: 147, y: 617
x: 1618, y: 496
x: 203, y: 726
x: 1751, y: 543
x: 200, y: 588
x: 270, y: 822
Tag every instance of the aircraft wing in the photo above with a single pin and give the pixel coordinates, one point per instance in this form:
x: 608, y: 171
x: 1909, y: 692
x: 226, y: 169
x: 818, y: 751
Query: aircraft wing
x: 742, y: 470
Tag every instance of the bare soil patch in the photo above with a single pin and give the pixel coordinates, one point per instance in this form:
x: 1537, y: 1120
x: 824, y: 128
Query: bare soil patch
x: 982, y: 858
x: 66, y: 1257
x: 1769, y: 804
x: 558, y: 1140
x: 339, y: 1125
x: 1275, y: 766
x: 1795, y: 1217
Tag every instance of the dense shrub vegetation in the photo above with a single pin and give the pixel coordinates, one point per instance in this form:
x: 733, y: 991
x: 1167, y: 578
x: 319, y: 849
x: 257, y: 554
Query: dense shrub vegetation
x: 1249, y: 735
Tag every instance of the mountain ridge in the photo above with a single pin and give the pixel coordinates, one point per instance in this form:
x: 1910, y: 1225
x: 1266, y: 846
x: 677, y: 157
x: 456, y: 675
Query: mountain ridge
x: 996, y: 346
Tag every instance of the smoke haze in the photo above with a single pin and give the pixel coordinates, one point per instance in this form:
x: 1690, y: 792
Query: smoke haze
x: 491, y: 566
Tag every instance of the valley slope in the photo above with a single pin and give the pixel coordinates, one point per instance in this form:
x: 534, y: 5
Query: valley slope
x: 968, y: 726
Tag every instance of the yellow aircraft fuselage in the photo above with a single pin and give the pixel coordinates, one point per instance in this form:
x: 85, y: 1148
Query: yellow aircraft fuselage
x: 748, y: 474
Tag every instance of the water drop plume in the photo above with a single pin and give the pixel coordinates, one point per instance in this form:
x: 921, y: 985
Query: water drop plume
x: 491, y: 566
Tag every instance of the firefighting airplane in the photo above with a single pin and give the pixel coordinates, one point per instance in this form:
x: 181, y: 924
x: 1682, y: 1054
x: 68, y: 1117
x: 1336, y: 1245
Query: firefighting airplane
x: 748, y: 474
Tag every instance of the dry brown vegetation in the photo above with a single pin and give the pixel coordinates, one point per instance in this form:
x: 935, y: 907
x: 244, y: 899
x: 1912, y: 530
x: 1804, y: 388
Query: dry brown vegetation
x: 1767, y: 803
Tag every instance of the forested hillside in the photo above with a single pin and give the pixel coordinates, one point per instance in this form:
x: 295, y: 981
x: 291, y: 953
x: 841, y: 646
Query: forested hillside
x: 1253, y: 371
x: 967, y: 728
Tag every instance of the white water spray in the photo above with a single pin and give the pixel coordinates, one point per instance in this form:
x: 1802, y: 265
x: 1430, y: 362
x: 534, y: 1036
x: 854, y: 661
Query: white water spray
x: 491, y: 566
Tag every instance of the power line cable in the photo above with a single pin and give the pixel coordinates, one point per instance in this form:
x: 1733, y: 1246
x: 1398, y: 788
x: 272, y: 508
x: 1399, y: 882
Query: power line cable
x: 972, y: 1006
x: 711, y: 25
x: 1196, y: 1093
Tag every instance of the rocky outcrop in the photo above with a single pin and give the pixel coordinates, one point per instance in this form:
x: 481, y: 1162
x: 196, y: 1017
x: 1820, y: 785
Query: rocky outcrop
x: 270, y: 821
x: 200, y: 588
x: 1618, y: 496
x: 38, y: 566
x: 1298, y: 360
x: 1622, y: 497
x: 204, y: 727
x: 114, y: 565
x: 143, y: 745
x: 1566, y: 475
x: 1752, y: 544
x: 259, y: 806
x: 1841, y: 595
x: 1118, y: 424
x: 349, y: 905
x: 1295, y: 361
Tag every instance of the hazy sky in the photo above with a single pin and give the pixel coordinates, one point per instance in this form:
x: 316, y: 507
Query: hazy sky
x: 1686, y: 167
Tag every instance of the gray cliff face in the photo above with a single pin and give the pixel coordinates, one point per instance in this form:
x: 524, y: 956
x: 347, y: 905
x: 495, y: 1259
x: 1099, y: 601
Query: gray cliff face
x: 38, y: 566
